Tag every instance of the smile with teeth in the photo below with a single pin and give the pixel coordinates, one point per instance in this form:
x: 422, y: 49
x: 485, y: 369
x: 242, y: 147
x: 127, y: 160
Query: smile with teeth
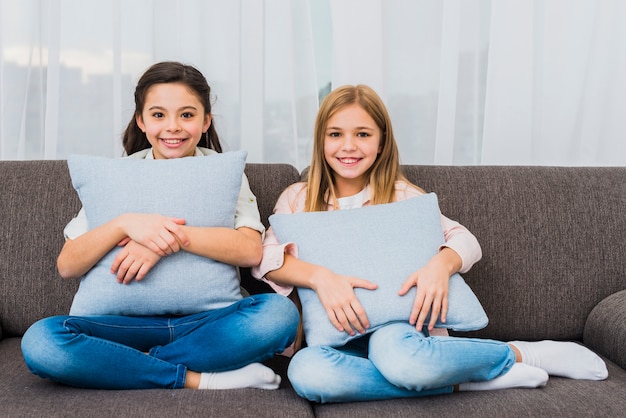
x: 348, y: 160
x: 172, y: 141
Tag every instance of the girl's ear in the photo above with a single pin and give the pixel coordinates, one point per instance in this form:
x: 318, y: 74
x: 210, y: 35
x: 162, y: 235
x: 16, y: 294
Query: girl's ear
x: 207, y: 121
x: 139, y: 121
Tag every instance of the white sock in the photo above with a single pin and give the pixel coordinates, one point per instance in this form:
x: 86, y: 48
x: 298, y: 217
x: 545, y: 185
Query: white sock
x: 519, y: 376
x: 563, y: 358
x: 253, y: 375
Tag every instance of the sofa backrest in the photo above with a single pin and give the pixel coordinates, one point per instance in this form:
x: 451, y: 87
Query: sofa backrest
x: 36, y: 202
x: 553, y: 241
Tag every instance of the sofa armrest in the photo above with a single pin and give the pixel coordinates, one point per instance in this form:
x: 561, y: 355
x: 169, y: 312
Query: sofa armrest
x: 605, y: 329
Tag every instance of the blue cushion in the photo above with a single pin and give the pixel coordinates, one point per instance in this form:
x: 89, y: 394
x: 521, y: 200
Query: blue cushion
x: 383, y: 244
x: 202, y: 190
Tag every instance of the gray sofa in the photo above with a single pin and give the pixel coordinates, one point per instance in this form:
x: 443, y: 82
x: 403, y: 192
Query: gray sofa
x: 554, y: 244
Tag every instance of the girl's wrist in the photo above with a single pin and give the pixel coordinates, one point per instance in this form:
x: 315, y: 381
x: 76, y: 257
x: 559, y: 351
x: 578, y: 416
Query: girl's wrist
x: 119, y: 223
x: 318, y: 276
x: 449, y: 260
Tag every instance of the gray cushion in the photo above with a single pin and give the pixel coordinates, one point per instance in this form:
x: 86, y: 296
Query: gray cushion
x: 383, y: 244
x: 201, y: 190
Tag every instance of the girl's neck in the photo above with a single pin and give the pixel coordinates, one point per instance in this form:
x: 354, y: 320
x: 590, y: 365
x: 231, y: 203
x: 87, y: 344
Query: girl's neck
x: 345, y: 188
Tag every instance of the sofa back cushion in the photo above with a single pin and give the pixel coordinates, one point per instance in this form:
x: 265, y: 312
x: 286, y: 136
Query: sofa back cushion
x: 36, y: 202
x: 552, y: 240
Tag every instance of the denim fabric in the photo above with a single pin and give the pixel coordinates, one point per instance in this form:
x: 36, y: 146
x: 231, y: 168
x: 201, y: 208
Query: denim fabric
x: 108, y: 352
x: 395, y: 361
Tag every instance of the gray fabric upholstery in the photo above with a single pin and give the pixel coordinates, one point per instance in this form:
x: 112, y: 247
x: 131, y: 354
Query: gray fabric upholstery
x: 553, y: 268
x: 552, y: 239
x: 37, y: 201
x: 605, y: 330
x: 25, y: 395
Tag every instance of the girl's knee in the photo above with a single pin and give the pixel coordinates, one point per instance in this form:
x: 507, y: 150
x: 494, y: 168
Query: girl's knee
x: 398, y: 340
x: 41, y: 346
x: 270, y: 319
x: 395, y: 331
x: 278, y: 310
x: 278, y: 303
x: 403, y: 356
x: 40, y: 333
x: 286, y: 308
x: 312, y: 374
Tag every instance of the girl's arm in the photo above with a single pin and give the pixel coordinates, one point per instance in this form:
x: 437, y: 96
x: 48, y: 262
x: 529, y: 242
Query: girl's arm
x: 284, y: 270
x: 79, y: 255
x: 161, y: 235
x: 240, y: 247
x: 335, y: 292
x: 459, y: 253
x: 135, y: 261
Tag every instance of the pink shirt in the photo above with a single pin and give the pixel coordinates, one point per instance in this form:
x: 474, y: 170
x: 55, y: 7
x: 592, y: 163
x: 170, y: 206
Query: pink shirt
x: 456, y: 236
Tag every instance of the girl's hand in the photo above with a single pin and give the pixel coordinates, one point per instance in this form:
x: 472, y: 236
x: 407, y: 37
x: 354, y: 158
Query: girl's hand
x: 160, y: 234
x: 134, y: 261
x: 432, y: 283
x: 336, y: 293
x: 431, y: 297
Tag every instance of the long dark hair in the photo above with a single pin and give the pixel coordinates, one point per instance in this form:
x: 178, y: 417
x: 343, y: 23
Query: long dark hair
x: 134, y: 139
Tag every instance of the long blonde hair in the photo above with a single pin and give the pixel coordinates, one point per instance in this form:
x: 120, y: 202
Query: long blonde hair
x: 382, y: 175
x: 385, y: 171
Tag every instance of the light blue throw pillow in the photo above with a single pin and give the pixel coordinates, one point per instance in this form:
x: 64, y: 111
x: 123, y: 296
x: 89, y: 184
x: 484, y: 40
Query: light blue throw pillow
x: 202, y: 190
x: 383, y: 244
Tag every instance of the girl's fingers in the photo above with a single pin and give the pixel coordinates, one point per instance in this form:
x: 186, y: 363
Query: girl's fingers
x: 335, y: 320
x: 178, y: 235
x: 423, y: 313
x: 434, y: 313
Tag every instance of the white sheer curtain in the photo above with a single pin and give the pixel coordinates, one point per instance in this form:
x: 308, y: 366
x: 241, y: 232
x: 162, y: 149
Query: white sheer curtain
x: 502, y: 82
x: 68, y: 70
x: 466, y: 81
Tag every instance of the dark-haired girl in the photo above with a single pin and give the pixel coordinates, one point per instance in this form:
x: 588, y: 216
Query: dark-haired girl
x: 219, y: 349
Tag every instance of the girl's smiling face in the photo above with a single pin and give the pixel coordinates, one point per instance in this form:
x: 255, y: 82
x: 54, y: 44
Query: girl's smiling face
x: 352, y: 142
x: 173, y: 119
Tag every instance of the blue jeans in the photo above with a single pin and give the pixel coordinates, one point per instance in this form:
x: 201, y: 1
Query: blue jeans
x: 395, y: 361
x: 108, y: 352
